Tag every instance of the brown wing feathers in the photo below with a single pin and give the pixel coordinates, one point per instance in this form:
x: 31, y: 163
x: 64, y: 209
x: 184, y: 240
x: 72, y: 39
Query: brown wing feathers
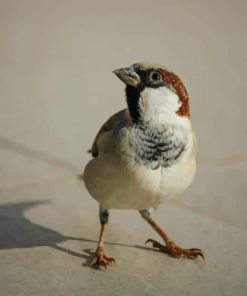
x: 106, y: 127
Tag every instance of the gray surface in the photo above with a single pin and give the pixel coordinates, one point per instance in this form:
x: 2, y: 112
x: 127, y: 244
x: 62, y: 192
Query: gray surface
x: 56, y: 88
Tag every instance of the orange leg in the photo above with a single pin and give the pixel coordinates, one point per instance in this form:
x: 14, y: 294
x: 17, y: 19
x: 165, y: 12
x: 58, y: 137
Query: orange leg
x: 100, y: 259
x: 170, y: 247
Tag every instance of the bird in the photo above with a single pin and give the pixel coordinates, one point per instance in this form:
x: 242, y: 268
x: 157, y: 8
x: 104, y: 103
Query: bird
x: 143, y: 155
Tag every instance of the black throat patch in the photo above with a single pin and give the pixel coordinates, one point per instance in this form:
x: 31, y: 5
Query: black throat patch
x: 133, y: 97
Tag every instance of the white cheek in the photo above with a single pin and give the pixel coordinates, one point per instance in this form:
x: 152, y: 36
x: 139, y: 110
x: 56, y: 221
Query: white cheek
x: 161, y: 101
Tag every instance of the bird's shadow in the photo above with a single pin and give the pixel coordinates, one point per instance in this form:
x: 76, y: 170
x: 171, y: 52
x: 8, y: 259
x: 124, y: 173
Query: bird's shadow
x: 16, y: 231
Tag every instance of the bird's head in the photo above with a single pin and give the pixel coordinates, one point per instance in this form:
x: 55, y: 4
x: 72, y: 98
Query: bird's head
x: 154, y: 93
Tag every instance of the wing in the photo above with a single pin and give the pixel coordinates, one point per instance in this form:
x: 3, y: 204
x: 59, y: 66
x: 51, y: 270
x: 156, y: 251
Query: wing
x: 106, y: 128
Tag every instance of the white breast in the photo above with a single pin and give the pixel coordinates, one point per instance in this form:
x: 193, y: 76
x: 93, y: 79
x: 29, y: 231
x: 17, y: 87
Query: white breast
x: 122, y: 185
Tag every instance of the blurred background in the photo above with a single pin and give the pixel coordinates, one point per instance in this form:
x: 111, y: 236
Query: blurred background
x: 57, y: 88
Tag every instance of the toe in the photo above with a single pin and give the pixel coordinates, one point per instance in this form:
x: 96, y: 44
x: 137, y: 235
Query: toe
x: 111, y: 260
x: 155, y: 244
x: 194, y: 253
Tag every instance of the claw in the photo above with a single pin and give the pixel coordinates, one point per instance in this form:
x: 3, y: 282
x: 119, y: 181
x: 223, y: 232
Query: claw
x: 195, y: 249
x: 155, y: 244
x: 173, y: 250
x: 201, y: 254
x: 111, y: 260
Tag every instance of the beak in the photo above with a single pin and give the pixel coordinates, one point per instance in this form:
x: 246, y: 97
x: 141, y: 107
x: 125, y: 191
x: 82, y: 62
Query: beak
x: 128, y: 76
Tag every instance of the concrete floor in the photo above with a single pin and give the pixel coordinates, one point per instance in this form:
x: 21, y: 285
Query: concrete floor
x: 56, y: 89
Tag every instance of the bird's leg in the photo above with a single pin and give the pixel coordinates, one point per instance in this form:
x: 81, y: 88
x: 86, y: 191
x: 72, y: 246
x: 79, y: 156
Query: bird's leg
x: 170, y: 247
x: 100, y: 259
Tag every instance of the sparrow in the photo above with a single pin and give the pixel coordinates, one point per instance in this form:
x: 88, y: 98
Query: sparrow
x: 143, y: 155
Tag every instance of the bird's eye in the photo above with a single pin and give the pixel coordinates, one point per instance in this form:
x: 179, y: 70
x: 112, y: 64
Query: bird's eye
x: 155, y: 77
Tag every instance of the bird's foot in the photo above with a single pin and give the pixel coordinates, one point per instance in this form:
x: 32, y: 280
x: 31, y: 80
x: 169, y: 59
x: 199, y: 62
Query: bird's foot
x: 174, y: 251
x: 100, y: 260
